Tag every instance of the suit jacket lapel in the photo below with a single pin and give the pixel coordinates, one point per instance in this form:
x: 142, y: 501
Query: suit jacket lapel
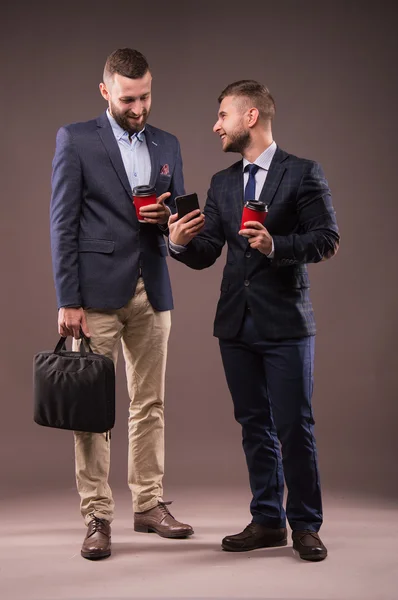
x: 235, y: 189
x: 153, y: 149
x: 235, y: 197
x: 111, y: 146
x: 274, y: 177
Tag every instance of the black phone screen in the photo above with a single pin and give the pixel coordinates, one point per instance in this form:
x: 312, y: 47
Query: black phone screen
x: 186, y: 204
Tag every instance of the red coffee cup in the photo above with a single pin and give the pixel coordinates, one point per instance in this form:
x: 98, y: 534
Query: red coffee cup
x: 254, y: 210
x: 143, y: 195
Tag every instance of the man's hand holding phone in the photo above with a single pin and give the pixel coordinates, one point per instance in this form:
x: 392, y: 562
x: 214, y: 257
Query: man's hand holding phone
x: 188, y: 221
x: 182, y: 231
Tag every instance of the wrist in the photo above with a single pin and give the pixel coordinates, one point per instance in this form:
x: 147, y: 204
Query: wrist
x: 177, y: 241
x: 166, y: 216
x: 271, y: 250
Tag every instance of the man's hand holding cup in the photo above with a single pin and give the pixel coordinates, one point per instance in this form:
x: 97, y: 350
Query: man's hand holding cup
x: 257, y: 236
x: 156, y: 213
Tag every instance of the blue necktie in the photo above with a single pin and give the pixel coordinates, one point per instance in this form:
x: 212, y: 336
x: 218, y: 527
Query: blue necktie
x: 250, y: 189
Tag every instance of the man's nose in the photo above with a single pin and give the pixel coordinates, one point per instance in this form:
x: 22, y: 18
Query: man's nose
x: 137, y: 108
x: 216, y: 127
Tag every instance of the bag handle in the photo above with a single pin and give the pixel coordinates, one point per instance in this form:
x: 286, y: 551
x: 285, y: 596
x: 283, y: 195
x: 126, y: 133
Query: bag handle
x: 86, y: 340
x: 61, y: 345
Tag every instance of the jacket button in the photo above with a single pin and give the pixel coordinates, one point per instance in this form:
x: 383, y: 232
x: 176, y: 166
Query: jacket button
x: 248, y: 254
x: 247, y: 282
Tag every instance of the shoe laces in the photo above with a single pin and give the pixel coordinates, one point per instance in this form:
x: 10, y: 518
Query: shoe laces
x: 163, y: 508
x: 98, y: 524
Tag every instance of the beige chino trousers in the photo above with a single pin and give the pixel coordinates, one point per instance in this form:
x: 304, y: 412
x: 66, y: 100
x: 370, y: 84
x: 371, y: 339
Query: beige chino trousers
x: 144, y: 333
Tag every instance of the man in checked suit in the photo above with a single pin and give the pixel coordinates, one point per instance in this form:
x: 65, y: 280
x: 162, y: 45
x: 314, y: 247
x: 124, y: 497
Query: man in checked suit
x: 112, y: 280
x: 264, y: 318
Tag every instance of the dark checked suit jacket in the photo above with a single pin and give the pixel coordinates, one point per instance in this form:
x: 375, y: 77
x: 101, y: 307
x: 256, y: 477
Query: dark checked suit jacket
x: 302, y: 222
x: 98, y: 245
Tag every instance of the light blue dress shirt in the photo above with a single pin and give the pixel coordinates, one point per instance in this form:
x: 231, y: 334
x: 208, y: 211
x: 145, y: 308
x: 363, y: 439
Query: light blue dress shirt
x: 135, y: 154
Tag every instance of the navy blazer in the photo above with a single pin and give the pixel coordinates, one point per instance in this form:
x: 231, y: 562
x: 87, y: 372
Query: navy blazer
x: 302, y: 222
x: 98, y: 245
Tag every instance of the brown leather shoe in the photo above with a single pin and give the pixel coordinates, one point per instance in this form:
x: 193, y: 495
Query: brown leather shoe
x: 255, y: 536
x: 97, y: 543
x: 309, y: 545
x: 159, y: 520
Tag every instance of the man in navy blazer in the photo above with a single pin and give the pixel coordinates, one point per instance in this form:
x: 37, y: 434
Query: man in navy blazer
x: 112, y: 280
x: 264, y: 320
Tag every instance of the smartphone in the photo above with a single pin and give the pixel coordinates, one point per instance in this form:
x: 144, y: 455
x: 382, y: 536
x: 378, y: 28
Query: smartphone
x: 186, y: 204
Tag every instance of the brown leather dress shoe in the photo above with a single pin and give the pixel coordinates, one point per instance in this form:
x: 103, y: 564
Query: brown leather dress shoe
x: 97, y: 543
x: 255, y: 536
x: 159, y: 520
x: 309, y: 545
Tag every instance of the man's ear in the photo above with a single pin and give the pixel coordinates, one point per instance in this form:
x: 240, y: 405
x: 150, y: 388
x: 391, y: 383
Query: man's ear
x: 104, y: 92
x: 252, y: 116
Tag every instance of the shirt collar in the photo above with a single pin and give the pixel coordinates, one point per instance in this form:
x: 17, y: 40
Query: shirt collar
x: 264, y: 160
x: 119, y: 132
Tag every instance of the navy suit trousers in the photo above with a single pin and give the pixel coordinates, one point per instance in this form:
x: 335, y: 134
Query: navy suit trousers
x: 271, y: 385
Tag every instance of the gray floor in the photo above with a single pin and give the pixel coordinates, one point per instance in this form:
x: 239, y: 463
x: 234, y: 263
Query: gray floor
x: 41, y: 538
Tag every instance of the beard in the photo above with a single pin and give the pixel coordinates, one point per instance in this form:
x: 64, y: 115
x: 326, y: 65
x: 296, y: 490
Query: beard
x: 122, y: 119
x: 237, y: 141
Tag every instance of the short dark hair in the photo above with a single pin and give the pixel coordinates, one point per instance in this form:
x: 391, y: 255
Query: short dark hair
x: 255, y: 92
x: 126, y: 62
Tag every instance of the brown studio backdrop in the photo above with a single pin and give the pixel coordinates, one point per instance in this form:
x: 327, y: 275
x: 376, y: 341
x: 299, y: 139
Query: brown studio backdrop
x: 331, y: 68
